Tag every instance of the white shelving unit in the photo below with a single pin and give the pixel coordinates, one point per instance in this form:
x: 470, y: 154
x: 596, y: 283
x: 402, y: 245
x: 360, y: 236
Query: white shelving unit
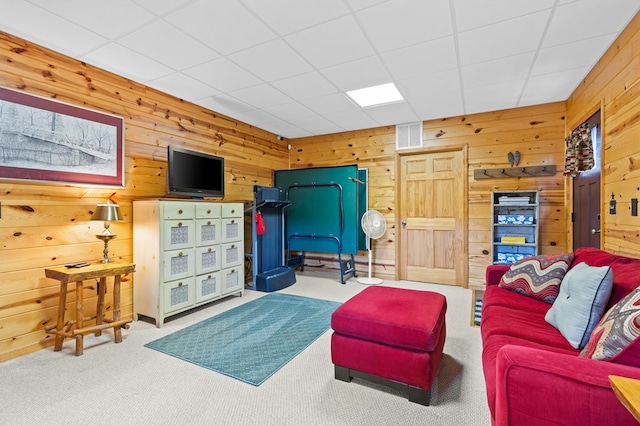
x: 187, y: 253
x: 514, y: 227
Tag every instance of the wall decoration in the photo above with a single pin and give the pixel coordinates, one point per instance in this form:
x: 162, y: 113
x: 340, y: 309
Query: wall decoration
x: 43, y: 139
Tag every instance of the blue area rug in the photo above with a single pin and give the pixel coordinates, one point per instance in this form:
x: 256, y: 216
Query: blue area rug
x: 252, y: 341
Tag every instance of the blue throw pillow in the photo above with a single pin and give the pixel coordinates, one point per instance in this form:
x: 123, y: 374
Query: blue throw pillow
x: 583, y: 295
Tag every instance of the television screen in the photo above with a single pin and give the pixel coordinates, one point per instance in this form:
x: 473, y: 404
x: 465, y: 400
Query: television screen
x: 194, y: 174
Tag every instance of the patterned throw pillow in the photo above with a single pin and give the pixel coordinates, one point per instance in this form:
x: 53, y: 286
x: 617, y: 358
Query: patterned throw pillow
x: 615, y: 338
x: 538, y: 277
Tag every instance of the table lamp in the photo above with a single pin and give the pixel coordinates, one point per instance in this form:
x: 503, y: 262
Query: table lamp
x: 106, y: 212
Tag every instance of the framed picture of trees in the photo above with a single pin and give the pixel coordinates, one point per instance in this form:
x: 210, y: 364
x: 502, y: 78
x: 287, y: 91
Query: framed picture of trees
x: 47, y: 140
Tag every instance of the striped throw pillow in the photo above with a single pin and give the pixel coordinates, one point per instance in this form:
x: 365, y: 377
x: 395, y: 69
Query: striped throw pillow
x: 538, y: 277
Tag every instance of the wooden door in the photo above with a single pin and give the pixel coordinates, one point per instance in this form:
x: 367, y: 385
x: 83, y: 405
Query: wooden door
x: 587, y: 195
x: 586, y: 210
x: 433, y: 222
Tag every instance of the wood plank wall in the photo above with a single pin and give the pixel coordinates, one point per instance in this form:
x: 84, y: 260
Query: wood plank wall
x: 43, y: 225
x: 614, y: 86
x: 537, y: 132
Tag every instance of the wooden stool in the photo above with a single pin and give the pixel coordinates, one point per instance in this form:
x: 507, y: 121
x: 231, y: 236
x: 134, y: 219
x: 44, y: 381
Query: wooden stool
x: 76, y: 329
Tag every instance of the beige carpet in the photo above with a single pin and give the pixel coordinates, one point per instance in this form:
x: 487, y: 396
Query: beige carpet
x: 128, y: 384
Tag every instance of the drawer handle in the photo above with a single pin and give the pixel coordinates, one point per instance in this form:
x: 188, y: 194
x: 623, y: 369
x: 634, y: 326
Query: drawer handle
x: 233, y: 246
x: 209, y: 223
x: 180, y: 211
x: 232, y: 221
x: 180, y: 254
x: 208, y: 277
x: 209, y: 250
x: 208, y: 211
x: 180, y: 284
x: 179, y: 224
x: 233, y: 211
x: 233, y: 271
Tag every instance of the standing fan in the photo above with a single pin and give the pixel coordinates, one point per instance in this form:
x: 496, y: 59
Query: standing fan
x: 374, y: 226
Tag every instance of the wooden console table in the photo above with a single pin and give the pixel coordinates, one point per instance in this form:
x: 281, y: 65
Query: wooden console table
x: 75, y: 328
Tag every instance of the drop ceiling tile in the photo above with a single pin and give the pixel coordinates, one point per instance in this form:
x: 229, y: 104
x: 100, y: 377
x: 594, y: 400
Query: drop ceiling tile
x: 429, y: 85
x: 352, y: 120
x: 278, y: 13
x: 336, y: 102
x: 474, y: 14
x: 289, y: 111
x: 439, y: 105
x: 223, y: 75
x: 39, y: 26
x: 282, y: 61
x: 496, y: 71
x: 552, y: 87
x: 363, y: 4
x: 488, y: 43
x: 160, y: 7
x: 285, y: 129
x: 255, y: 117
x: 331, y: 43
x: 261, y: 96
x: 109, y: 19
x: 316, y: 125
x: 358, y: 74
x: 305, y: 86
x: 603, y: 18
x: 429, y: 57
x: 127, y: 63
x: 400, y: 23
x: 572, y: 55
x: 224, y: 104
x: 494, y: 97
x: 225, y: 26
x: 395, y: 113
x: 183, y: 87
x: 168, y: 45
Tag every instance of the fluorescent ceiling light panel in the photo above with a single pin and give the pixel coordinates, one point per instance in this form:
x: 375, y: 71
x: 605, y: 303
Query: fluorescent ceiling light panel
x: 376, y: 95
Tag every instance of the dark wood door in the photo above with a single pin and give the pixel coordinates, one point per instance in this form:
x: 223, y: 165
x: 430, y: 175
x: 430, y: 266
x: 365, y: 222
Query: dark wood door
x: 586, y: 196
x: 586, y: 211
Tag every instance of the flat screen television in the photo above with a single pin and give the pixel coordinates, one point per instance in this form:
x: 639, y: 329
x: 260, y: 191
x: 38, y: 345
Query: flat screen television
x: 194, y: 174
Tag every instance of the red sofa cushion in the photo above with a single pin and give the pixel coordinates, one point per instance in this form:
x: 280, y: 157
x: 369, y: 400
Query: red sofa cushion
x: 496, y: 296
x: 412, y: 319
x: 529, y: 326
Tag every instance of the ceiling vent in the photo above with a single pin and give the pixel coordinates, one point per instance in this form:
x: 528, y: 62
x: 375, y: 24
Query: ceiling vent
x: 409, y: 135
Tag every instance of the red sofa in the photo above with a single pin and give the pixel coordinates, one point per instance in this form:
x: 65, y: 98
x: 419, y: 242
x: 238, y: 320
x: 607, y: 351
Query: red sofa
x: 533, y: 375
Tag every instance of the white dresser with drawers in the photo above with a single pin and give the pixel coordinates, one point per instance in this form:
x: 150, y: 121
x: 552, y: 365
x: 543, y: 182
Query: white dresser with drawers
x: 187, y: 253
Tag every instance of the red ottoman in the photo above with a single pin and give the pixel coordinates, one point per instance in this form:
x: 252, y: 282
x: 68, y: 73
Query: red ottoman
x: 390, y: 336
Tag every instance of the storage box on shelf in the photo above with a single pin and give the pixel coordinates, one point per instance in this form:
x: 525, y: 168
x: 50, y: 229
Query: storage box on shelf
x: 514, y: 225
x: 188, y: 252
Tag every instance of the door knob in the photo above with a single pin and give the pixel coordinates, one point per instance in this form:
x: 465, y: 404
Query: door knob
x: 404, y: 223
x: 595, y: 231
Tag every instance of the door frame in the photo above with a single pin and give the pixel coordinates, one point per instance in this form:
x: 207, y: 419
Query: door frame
x: 568, y: 180
x: 465, y: 213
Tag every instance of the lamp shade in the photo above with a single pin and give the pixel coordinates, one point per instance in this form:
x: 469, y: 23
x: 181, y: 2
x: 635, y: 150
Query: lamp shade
x: 107, y: 212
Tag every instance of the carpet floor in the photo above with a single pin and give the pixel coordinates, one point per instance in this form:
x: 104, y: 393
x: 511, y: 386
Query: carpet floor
x: 252, y: 341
